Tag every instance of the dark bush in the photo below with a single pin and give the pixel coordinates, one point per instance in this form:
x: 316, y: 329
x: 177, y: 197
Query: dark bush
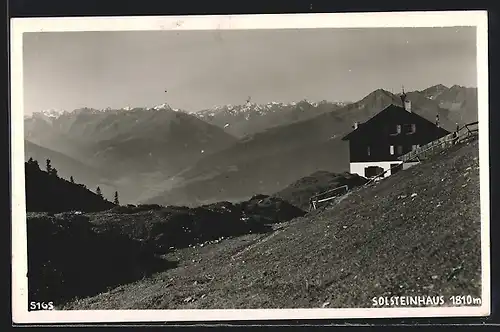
x: 72, y: 256
x: 123, y: 209
x: 67, y: 259
x: 147, y: 207
x: 131, y: 208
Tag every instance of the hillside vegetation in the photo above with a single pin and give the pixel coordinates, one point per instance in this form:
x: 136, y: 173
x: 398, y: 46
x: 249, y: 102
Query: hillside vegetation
x: 47, y: 192
x: 179, y: 227
x: 414, y: 233
x: 68, y: 259
x: 68, y: 167
x: 72, y: 256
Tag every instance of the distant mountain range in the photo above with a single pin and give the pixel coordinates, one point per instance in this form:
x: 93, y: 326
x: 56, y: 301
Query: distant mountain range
x: 251, y: 118
x: 459, y: 100
x: 168, y: 156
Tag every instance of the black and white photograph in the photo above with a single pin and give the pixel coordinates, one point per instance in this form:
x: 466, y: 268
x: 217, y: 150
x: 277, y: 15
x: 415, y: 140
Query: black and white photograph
x: 303, y: 166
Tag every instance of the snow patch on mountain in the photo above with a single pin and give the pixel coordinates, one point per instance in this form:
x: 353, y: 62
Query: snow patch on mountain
x: 47, y: 115
x: 164, y: 106
x: 247, y: 110
x: 51, y: 113
x: 254, y: 108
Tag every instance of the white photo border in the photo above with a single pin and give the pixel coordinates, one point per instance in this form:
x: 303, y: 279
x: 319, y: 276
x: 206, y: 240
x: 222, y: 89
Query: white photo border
x: 19, y: 26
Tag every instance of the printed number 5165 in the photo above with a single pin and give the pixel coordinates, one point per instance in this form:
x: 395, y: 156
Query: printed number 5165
x: 41, y: 305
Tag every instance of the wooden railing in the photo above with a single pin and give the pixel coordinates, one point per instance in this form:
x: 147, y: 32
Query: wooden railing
x: 327, y: 196
x: 431, y: 148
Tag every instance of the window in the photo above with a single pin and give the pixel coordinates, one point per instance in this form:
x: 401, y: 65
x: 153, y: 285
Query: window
x: 368, y: 150
x: 391, y: 149
x: 410, y: 128
x: 372, y: 171
x: 414, y: 147
x: 400, y: 149
x: 398, y: 131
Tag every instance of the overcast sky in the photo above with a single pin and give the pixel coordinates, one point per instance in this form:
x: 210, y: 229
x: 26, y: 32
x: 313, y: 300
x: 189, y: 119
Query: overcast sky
x: 200, y: 69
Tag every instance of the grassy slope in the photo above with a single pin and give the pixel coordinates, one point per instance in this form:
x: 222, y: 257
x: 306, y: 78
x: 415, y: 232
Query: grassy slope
x: 372, y: 243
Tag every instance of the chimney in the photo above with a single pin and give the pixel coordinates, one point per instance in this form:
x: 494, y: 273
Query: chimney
x: 437, y: 120
x: 356, y: 124
x: 403, y: 98
x: 407, y: 105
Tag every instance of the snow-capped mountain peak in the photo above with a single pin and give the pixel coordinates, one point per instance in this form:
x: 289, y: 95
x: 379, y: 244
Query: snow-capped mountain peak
x: 46, y: 115
x: 269, y: 107
x: 250, y: 117
x: 164, y: 106
x: 52, y: 113
x: 55, y: 113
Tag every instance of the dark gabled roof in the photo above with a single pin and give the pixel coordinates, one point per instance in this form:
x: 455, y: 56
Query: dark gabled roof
x: 391, y: 107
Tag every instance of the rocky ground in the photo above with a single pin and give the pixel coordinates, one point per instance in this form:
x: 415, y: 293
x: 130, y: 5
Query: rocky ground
x: 414, y: 233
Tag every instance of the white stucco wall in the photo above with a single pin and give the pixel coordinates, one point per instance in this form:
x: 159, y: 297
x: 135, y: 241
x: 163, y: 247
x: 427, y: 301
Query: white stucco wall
x: 359, y: 167
x: 408, y: 165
